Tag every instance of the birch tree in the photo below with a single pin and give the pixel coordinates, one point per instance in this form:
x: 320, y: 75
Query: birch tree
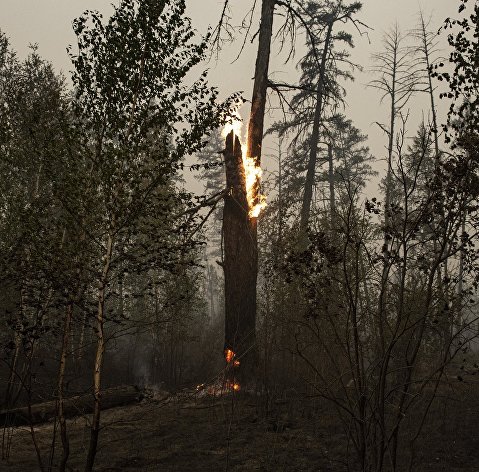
x: 130, y: 92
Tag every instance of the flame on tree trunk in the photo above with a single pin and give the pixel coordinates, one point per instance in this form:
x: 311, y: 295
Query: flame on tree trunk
x: 240, y: 265
x: 239, y: 220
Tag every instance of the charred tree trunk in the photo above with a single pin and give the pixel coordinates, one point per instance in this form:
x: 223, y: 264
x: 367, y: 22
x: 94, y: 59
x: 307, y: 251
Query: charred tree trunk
x: 240, y: 265
x: 239, y: 230
x: 260, y: 88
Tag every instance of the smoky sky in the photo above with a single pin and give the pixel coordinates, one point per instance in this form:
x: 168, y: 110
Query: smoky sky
x: 48, y: 23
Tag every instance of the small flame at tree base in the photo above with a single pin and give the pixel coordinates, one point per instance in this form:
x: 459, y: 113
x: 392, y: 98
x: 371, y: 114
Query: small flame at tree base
x: 230, y: 358
x: 253, y: 172
x: 218, y: 389
x: 229, y: 354
x: 231, y: 385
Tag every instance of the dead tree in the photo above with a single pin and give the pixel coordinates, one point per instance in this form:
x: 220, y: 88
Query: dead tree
x: 397, y: 79
x: 260, y: 87
x: 240, y: 264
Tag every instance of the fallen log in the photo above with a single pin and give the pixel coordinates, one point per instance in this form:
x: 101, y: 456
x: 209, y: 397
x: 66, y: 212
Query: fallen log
x: 73, y: 406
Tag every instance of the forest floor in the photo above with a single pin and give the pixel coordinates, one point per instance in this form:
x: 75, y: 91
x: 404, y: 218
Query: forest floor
x: 184, y: 433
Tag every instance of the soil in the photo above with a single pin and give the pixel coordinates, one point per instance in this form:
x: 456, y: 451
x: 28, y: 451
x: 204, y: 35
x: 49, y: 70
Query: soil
x: 233, y: 433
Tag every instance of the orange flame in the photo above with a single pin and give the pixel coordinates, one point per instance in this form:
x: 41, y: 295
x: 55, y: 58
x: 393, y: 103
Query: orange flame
x: 218, y: 388
x: 232, y: 386
x: 230, y: 360
x: 229, y: 354
x: 230, y: 357
x: 253, y: 172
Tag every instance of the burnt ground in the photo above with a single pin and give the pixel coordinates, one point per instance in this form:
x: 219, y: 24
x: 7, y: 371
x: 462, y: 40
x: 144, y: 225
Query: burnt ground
x: 184, y: 433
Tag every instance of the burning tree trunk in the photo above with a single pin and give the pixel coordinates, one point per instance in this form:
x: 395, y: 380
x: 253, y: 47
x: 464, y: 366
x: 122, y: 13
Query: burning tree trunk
x: 242, y: 205
x: 240, y: 265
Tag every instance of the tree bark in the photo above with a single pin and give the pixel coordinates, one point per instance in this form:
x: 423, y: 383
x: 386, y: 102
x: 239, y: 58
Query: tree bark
x: 387, y: 203
x: 239, y: 230
x: 240, y: 265
x: 9, y: 393
x: 260, y: 88
x: 100, y: 349
x: 430, y: 88
x: 78, y: 405
x: 332, y: 196
x: 61, y: 379
x: 426, y: 46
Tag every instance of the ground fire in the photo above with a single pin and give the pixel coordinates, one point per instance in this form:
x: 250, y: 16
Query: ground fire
x: 226, y: 382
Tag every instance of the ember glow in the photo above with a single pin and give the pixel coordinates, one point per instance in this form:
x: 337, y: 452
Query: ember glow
x: 232, y: 385
x: 229, y: 355
x: 253, y: 173
x: 227, y: 383
x: 217, y: 389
